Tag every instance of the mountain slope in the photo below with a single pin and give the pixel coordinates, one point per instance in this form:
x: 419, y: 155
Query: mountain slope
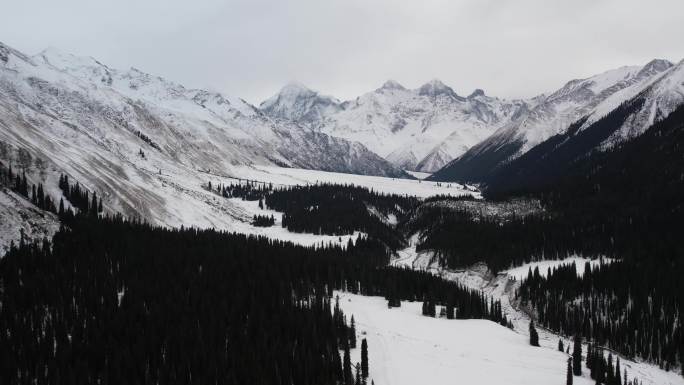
x: 144, y: 143
x: 418, y: 129
x: 553, y: 114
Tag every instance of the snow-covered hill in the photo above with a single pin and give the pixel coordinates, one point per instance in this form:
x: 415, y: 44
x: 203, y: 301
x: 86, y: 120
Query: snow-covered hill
x: 659, y: 82
x: 420, y: 129
x: 143, y: 142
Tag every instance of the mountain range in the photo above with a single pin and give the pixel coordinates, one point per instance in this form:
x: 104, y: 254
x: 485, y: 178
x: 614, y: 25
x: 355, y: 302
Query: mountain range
x: 144, y: 141
x: 147, y: 143
x: 432, y: 126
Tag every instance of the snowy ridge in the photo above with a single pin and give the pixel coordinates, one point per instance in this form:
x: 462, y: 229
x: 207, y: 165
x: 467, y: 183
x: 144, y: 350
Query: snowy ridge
x: 662, y: 94
x: 552, y: 114
x: 418, y: 129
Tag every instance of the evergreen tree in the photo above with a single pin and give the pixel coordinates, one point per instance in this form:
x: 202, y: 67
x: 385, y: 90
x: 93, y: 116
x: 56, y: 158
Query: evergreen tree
x: 618, y: 378
x: 346, y: 366
x: 364, y: 358
x: 534, y: 337
x: 560, y: 345
x: 568, y: 375
x: 352, y: 334
x: 577, y: 356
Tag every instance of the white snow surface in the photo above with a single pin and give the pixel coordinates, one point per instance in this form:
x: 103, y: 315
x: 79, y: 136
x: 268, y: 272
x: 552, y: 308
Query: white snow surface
x: 297, y: 176
x: 418, y: 174
x: 520, y: 272
x: 406, y: 348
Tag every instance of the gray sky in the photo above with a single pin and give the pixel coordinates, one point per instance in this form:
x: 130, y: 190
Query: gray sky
x: 251, y: 48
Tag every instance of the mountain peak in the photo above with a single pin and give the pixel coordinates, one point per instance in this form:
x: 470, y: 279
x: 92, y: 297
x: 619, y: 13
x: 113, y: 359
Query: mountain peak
x: 297, y: 102
x: 295, y: 88
x: 391, y: 85
x: 65, y: 60
x: 655, y: 66
x: 435, y: 87
x: 476, y: 93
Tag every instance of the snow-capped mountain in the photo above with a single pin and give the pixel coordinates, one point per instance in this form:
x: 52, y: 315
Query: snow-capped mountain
x: 416, y: 129
x: 146, y: 143
x: 550, y: 115
x: 295, y: 102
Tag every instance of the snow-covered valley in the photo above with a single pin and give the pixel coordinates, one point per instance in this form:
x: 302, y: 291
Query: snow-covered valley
x: 512, y: 352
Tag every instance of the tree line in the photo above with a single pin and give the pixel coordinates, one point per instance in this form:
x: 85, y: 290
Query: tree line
x: 634, y: 309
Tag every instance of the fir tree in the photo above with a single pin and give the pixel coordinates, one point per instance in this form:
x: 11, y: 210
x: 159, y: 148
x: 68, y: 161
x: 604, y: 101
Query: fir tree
x: 352, y: 334
x: 577, y: 356
x: 364, y: 358
x: 568, y: 375
x: 534, y: 337
x: 346, y: 366
x: 560, y: 345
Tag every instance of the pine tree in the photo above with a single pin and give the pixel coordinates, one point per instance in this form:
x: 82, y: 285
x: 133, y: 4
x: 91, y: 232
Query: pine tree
x: 610, y: 375
x: 358, y: 375
x: 352, y: 334
x: 364, y: 358
x: 450, y: 308
x: 568, y: 375
x: 534, y: 337
x: 346, y: 366
x: 577, y: 356
x: 618, y: 378
x: 560, y: 345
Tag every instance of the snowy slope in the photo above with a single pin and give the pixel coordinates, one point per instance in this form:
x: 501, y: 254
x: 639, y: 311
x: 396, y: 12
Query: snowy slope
x: 419, y: 129
x: 144, y: 143
x: 17, y: 215
x: 405, y: 347
x: 554, y: 113
x: 661, y: 94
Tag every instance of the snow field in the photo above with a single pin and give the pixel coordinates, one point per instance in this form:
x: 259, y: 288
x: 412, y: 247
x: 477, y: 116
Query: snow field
x: 298, y: 176
x: 502, y: 287
x: 406, y: 348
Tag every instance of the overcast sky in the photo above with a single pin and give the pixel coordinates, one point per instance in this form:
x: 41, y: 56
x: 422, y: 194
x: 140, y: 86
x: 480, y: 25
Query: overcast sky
x: 251, y: 48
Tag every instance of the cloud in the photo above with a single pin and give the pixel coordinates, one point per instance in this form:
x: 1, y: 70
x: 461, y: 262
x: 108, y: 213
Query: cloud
x: 348, y: 47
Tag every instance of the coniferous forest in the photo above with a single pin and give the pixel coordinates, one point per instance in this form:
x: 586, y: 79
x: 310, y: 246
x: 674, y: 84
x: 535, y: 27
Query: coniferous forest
x: 115, y: 301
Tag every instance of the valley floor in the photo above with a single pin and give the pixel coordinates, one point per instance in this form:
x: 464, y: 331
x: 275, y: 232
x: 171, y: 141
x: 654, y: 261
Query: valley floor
x: 454, y: 346
x: 406, y: 348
